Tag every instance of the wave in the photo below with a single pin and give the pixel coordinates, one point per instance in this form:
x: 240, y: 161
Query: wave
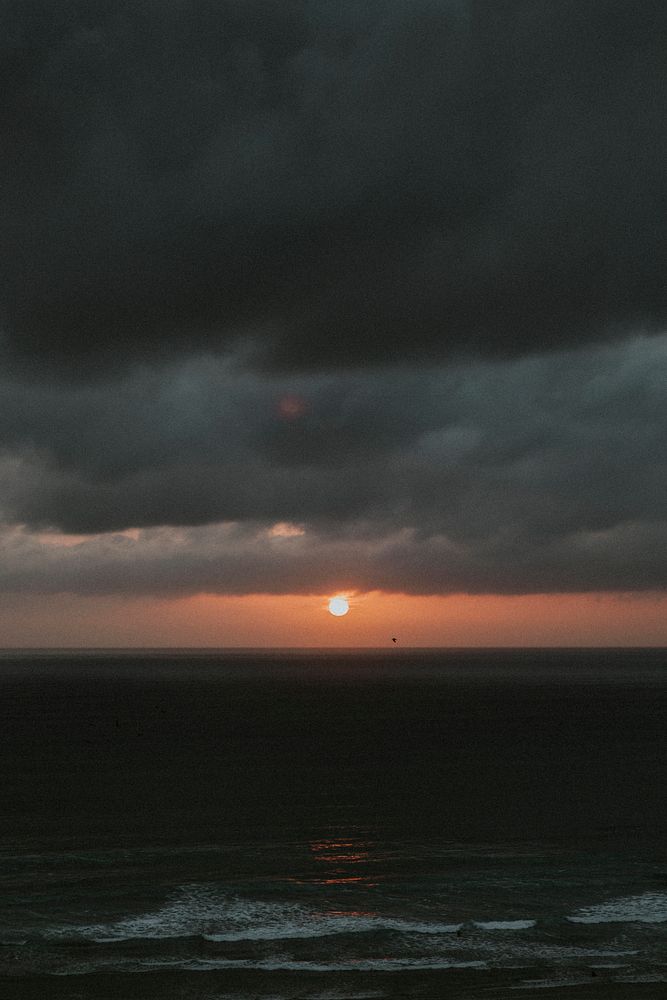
x: 389, y: 964
x: 355, y: 965
x: 648, y: 908
x: 198, y: 912
x: 324, y: 926
x: 210, y: 915
x: 280, y: 964
x: 504, y: 925
x: 551, y: 984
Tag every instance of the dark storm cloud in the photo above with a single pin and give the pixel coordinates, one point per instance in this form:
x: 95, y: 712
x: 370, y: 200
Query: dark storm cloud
x: 355, y: 267
x: 534, y: 474
x: 331, y: 183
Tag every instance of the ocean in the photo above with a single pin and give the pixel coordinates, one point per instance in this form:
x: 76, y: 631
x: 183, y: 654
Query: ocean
x: 325, y: 825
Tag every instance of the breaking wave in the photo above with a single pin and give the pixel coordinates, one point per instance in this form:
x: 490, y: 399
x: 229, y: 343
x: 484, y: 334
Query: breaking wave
x: 216, y: 917
x: 649, y: 908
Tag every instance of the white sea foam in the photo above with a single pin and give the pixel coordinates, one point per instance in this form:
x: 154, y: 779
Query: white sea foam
x: 504, y: 925
x: 388, y: 964
x: 648, y: 977
x: 218, y: 917
x: 309, y: 925
x: 337, y: 995
x: 608, y: 965
x: 649, y: 908
x: 550, y: 984
x: 502, y: 952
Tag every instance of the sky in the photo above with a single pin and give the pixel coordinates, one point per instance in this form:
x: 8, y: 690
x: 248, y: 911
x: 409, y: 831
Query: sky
x: 302, y: 299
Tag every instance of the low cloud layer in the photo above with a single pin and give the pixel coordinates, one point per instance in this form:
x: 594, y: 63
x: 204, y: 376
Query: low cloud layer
x: 545, y: 473
x: 327, y: 184
x: 231, y: 560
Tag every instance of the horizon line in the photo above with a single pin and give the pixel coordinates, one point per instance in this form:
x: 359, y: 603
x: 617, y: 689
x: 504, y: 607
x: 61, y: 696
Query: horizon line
x: 307, y: 649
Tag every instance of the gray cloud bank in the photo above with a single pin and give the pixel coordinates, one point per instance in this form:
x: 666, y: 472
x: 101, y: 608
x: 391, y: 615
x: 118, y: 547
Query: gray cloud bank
x: 330, y: 184
x: 536, y: 474
x: 229, y: 560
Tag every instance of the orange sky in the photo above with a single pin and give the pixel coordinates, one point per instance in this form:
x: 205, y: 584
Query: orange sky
x: 297, y: 620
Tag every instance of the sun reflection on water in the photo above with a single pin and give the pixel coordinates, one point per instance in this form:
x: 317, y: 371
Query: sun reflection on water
x: 336, y: 861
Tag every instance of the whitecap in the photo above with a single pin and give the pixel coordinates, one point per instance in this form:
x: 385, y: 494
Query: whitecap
x: 550, y: 984
x: 649, y: 908
x: 201, y: 912
x: 387, y: 964
x: 308, y: 925
x: 504, y: 925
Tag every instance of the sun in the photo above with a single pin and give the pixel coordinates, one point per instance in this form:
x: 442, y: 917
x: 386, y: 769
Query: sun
x: 339, y: 606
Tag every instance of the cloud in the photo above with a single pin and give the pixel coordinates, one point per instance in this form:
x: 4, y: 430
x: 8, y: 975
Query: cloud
x: 536, y: 474
x: 229, y: 559
x: 328, y: 185
x: 308, y: 295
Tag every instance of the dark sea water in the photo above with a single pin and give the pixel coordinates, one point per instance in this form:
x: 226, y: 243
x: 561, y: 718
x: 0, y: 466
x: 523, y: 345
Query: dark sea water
x: 322, y: 826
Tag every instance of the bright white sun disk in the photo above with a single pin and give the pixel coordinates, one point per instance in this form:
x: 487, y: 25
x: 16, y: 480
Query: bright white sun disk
x: 339, y: 606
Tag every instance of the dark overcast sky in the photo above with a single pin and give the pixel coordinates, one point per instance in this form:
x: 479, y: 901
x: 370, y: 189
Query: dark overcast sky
x: 393, y: 273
